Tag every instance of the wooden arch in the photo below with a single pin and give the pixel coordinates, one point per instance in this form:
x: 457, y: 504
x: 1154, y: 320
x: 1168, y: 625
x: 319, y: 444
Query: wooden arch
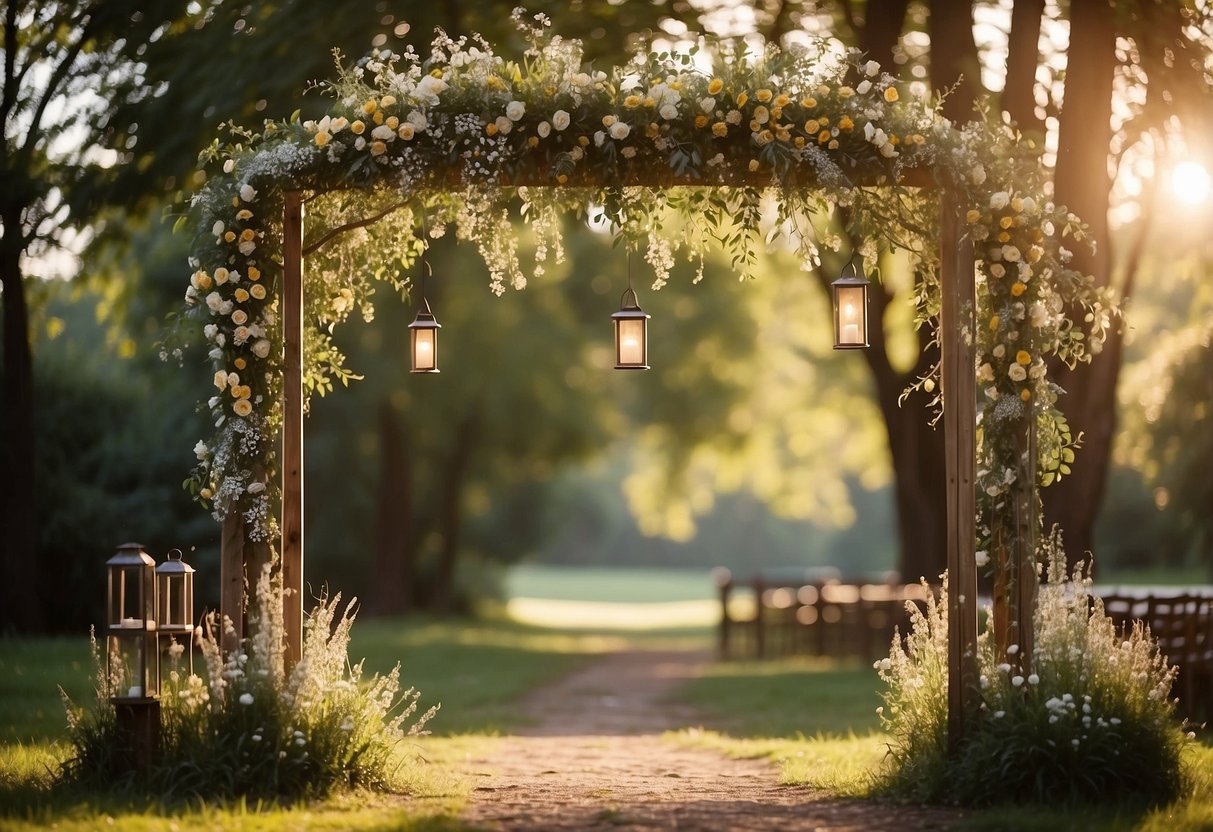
x: 957, y: 346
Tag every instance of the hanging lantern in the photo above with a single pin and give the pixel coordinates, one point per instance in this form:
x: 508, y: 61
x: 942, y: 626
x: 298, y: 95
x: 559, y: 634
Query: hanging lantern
x: 130, y: 610
x: 850, y: 311
x: 631, y: 334
x: 423, y: 339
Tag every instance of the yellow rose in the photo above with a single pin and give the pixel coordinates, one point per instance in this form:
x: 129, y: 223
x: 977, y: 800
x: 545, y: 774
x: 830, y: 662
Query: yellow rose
x: 254, y: 273
x: 584, y: 141
x: 782, y: 100
x: 204, y: 281
x: 242, y: 407
x: 808, y: 103
x: 532, y: 141
x: 845, y: 123
x: 392, y: 122
x: 890, y: 94
x: 720, y: 129
x: 562, y: 178
x: 244, y: 214
x: 715, y: 86
x: 845, y: 92
x: 258, y: 291
x: 833, y: 145
x: 378, y: 148
x: 824, y: 120
x: 1023, y: 357
x: 490, y: 129
x: 993, y: 322
x: 798, y: 141
x: 608, y: 120
x: 753, y: 165
x: 322, y: 138
x: 742, y: 98
x: 206, y: 493
x: 1006, y: 222
x: 377, y: 117
x: 701, y: 120
x: 812, y: 126
x: 1018, y: 288
x: 220, y: 379
x: 632, y: 101
x: 1025, y: 394
x: 358, y: 127
x: 763, y: 95
x: 247, y: 234
x: 229, y: 236
x: 972, y: 216
x: 1017, y: 204
x: 370, y: 106
x: 240, y: 363
x: 241, y: 296
x: 387, y: 101
x: 823, y: 137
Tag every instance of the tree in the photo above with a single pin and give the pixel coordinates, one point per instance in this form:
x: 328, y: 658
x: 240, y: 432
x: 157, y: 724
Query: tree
x: 66, y: 64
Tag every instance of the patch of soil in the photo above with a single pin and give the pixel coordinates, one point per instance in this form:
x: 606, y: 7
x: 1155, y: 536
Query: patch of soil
x: 594, y: 760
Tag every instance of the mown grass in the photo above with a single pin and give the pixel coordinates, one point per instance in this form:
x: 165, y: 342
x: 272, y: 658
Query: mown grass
x: 817, y: 720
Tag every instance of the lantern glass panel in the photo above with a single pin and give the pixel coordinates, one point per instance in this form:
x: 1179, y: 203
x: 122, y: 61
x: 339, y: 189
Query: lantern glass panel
x: 134, y: 665
x: 631, y: 342
x: 850, y: 316
x: 425, y: 349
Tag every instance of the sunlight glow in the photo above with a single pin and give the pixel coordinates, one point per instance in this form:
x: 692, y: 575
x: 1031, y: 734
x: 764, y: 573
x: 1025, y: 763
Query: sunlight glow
x: 1191, y: 182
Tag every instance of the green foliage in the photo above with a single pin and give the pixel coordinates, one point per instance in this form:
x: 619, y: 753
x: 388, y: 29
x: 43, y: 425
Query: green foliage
x: 1088, y: 721
x: 253, y: 729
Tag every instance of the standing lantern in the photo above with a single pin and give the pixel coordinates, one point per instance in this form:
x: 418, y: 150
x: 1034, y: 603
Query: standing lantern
x: 423, y: 340
x: 631, y: 334
x: 131, y: 609
x: 175, y: 591
x: 850, y: 311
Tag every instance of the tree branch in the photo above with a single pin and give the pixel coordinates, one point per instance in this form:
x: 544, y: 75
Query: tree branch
x: 350, y: 226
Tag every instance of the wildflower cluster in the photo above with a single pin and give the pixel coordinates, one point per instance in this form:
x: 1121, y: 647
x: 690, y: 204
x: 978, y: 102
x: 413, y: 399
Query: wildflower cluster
x: 454, y: 136
x: 250, y: 728
x: 1089, y: 719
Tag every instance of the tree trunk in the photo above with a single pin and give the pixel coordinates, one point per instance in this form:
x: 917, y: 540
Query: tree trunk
x: 392, y: 590
x: 1023, y: 56
x: 881, y: 30
x: 954, y: 59
x: 452, y: 511
x: 1082, y: 185
x: 20, y: 590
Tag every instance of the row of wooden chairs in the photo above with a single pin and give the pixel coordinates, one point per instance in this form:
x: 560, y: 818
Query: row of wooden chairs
x: 1183, y: 626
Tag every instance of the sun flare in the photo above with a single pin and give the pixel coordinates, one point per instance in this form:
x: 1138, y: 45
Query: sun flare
x: 1191, y: 182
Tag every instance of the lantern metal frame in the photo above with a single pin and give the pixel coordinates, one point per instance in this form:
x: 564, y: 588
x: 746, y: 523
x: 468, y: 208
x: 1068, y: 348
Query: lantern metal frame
x: 131, y: 626
x: 424, y: 329
x: 626, y: 318
x: 843, y: 290
x: 175, y: 591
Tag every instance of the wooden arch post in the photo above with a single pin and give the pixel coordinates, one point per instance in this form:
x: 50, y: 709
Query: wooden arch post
x: 292, y: 424
x: 957, y: 337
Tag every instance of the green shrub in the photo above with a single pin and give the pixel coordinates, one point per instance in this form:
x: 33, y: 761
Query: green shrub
x: 1091, y: 721
x: 251, y: 728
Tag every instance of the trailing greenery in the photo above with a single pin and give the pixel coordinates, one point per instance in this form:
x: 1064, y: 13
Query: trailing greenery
x: 252, y: 728
x: 1086, y: 719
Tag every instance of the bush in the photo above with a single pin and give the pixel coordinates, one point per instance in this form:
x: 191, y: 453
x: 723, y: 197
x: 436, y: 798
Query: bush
x: 251, y: 729
x: 1092, y: 721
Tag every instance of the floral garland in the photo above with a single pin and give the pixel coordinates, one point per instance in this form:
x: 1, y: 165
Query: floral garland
x: 463, y: 132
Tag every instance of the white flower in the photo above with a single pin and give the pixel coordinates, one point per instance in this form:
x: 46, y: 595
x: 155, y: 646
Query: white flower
x: 543, y: 129
x: 620, y: 130
x: 1038, y: 315
x: 256, y: 487
x: 978, y: 175
x: 1029, y: 205
x: 599, y: 138
x: 560, y: 120
x: 628, y: 152
x: 504, y: 125
x: 247, y: 247
x: 229, y: 165
x: 261, y: 348
x: 1010, y: 253
x: 983, y: 558
x: 217, y: 228
x: 200, y: 450
x: 1000, y: 200
x: 246, y: 699
x: 668, y: 111
x: 248, y: 193
x: 418, y: 120
x: 871, y: 68
x: 1017, y: 681
x: 359, y: 143
x: 863, y: 86
x: 429, y: 88
x: 383, y: 133
x: 888, y: 150
x: 707, y: 104
x: 213, y: 301
x: 985, y: 372
x: 1033, y: 679
x: 997, y: 269
x: 733, y: 117
x: 515, y: 110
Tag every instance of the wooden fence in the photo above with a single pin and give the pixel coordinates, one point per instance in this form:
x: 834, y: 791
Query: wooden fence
x: 857, y: 620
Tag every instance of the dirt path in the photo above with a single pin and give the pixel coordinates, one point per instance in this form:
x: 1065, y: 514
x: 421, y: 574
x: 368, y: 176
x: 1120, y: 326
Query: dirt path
x: 595, y: 760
